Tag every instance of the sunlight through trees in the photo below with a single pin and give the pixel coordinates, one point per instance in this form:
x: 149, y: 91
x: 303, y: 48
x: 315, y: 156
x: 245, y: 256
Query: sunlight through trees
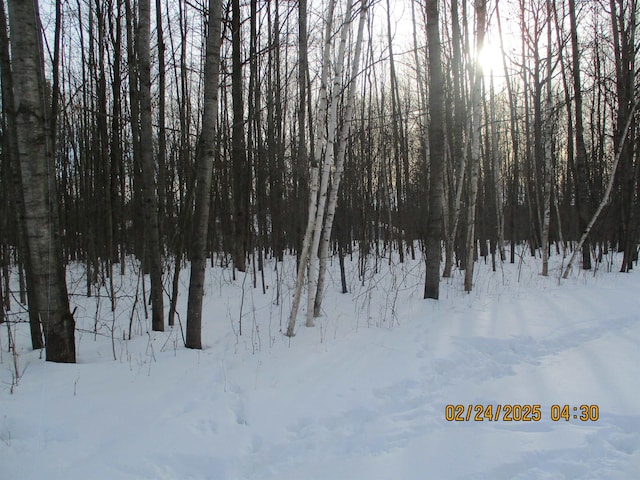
x: 227, y: 133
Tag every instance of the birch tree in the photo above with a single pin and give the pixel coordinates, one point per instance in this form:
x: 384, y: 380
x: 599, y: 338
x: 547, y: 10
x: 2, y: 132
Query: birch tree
x: 35, y: 154
x: 476, y: 102
x: 329, y: 159
x: 13, y: 189
x: 315, y: 168
x: 459, y: 131
x: 340, y: 157
x: 546, y: 213
x: 496, y: 167
x: 607, y: 194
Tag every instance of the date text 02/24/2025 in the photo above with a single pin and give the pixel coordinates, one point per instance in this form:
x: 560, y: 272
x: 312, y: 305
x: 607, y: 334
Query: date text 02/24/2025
x: 519, y: 413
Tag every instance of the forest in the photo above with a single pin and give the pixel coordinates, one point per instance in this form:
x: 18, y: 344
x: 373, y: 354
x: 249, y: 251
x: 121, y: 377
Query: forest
x: 191, y: 135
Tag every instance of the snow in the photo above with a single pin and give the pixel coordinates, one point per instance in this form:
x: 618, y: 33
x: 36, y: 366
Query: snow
x: 360, y: 396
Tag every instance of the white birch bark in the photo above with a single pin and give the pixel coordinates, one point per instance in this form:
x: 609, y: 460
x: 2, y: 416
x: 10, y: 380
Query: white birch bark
x: 329, y: 158
x: 475, y: 147
x: 497, y: 175
x: 49, y: 298
x: 313, y: 186
x: 459, y: 185
x: 459, y: 148
x: 340, y: 156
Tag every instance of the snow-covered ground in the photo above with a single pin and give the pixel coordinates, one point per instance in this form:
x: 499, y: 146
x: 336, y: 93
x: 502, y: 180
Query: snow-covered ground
x: 362, y: 396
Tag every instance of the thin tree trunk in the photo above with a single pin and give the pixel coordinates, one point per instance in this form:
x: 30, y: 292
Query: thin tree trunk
x: 162, y: 129
x: 117, y: 169
x: 277, y: 170
x: 496, y: 167
x: 134, y: 106
x: 546, y: 215
x: 582, y: 177
x: 607, y: 193
x: 329, y: 160
x: 476, y: 99
x: 514, y: 132
x: 396, y: 126
x: 150, y: 198
x: 301, y: 159
x: 624, y: 21
x: 340, y: 157
x: 315, y: 167
x: 241, y: 183
x: 205, y: 157
x: 460, y: 132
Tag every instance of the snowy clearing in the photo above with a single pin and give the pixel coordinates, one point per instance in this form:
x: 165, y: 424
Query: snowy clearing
x: 362, y: 396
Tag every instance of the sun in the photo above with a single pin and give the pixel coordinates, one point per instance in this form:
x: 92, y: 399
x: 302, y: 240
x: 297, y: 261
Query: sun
x: 490, y: 59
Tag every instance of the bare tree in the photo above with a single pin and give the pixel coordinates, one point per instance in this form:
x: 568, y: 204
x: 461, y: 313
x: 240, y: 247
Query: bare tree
x: 206, y: 152
x: 162, y: 128
x: 35, y: 153
x: 436, y: 153
x: 150, y: 196
x: 474, y: 166
x: 336, y: 177
x: 607, y: 193
x: 13, y: 188
x: 459, y: 134
x: 624, y: 23
x: 315, y: 169
x: 515, y: 142
x: 241, y: 171
x: 582, y: 175
x: 329, y: 158
x: 396, y: 127
x: 548, y: 138
x: 303, y: 80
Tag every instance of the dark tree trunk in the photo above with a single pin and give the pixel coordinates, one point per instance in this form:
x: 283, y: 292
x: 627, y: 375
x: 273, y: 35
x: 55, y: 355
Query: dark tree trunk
x: 162, y: 130
x: 241, y: 173
x: 150, y: 198
x: 206, y: 153
x: 582, y: 175
x: 436, y: 153
x: 623, y: 18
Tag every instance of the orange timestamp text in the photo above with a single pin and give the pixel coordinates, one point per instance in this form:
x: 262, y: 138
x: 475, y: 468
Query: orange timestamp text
x: 519, y: 413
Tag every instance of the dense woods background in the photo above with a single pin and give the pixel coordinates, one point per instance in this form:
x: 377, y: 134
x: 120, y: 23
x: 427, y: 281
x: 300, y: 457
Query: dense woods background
x: 227, y: 132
